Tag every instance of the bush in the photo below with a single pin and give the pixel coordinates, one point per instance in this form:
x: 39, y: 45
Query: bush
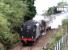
x: 55, y: 39
x: 1, y: 47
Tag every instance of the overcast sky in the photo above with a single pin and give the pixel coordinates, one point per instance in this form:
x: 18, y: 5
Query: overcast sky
x: 42, y: 5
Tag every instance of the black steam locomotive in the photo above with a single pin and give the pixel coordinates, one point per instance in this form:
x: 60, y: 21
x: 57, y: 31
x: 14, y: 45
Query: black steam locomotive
x: 31, y: 30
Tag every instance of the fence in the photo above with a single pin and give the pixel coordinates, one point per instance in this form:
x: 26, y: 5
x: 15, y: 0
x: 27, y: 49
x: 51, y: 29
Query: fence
x: 63, y: 42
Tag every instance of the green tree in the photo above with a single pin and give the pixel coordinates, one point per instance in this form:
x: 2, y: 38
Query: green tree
x: 15, y: 10
x: 52, y: 10
x: 12, y: 14
x: 62, y: 4
x: 4, y: 24
x: 31, y: 9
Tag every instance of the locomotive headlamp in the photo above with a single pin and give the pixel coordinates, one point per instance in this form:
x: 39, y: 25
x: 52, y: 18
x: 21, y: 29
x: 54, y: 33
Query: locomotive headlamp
x: 32, y: 37
x: 22, y: 36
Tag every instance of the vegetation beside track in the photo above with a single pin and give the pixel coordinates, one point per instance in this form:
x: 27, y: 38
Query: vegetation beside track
x: 61, y: 32
x: 12, y: 16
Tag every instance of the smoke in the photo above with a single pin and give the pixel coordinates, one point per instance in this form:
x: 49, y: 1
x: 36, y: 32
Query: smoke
x: 58, y: 20
x: 43, y: 5
x: 55, y: 22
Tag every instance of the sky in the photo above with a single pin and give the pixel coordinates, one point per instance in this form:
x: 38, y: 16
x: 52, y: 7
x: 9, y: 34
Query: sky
x: 43, y: 5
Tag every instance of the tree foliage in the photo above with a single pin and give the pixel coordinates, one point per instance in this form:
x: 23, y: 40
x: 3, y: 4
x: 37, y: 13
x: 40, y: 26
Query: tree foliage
x: 62, y: 4
x: 12, y: 15
x: 14, y: 10
x: 52, y: 10
x: 31, y: 9
x: 4, y: 24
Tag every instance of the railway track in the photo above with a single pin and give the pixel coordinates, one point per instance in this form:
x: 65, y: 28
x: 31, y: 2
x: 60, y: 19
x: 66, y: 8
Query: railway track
x: 42, y: 41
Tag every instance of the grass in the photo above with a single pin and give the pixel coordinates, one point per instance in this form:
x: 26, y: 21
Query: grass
x: 55, y: 39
